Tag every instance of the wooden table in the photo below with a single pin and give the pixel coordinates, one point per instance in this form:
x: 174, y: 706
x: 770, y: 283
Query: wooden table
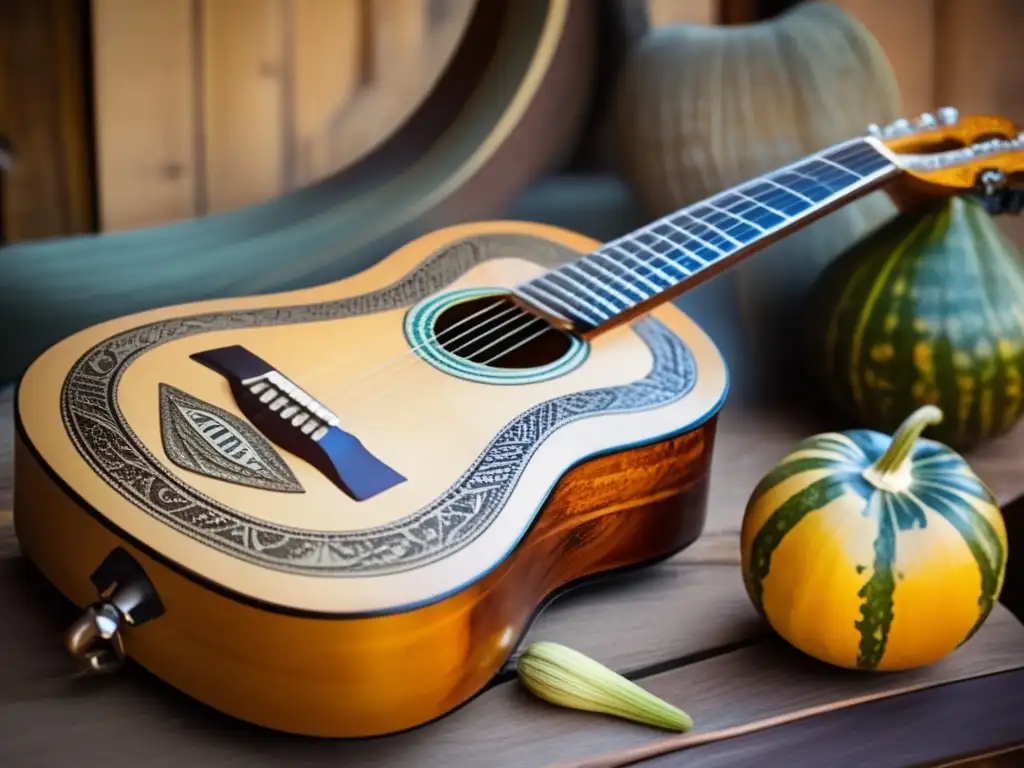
x: 683, y: 629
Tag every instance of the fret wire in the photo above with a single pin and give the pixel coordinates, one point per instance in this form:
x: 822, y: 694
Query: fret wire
x: 528, y: 289
x: 664, y: 257
x: 574, y: 290
x: 733, y: 225
x: 587, y: 290
x: 766, y: 201
x: 854, y: 148
x: 695, y: 236
x: 744, y: 207
x: 675, y: 246
x: 813, y: 182
x: 685, y: 273
x: 856, y: 176
x: 699, y: 235
x: 774, y: 183
x: 860, y: 152
x: 628, y: 301
x: 583, y: 309
x: 753, y: 224
x: 688, y: 253
x: 633, y: 271
x: 831, y: 174
x: 669, y: 280
x: 709, y: 225
x: 785, y: 201
x: 763, y: 205
x: 628, y: 285
x: 711, y: 234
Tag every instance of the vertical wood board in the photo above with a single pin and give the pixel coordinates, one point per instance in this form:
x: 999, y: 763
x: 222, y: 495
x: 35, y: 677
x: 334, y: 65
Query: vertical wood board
x: 328, y: 67
x: 48, y: 192
x: 144, y: 78
x: 243, y: 101
x: 205, y: 106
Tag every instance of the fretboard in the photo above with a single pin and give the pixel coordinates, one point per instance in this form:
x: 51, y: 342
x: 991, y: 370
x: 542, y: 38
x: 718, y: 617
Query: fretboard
x: 659, y: 261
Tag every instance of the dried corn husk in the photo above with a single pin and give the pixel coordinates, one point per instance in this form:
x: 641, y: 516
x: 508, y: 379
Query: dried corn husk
x: 568, y: 678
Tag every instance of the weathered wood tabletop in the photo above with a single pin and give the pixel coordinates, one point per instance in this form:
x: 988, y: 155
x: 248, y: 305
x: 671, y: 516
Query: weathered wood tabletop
x: 684, y: 629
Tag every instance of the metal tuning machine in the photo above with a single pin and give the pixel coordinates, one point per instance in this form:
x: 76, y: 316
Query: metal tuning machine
x: 127, y: 598
x: 997, y: 194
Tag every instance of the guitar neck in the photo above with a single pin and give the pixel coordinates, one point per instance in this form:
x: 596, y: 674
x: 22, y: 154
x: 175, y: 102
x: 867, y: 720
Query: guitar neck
x: 651, y: 265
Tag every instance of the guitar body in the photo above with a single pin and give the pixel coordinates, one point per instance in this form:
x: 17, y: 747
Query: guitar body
x: 292, y: 600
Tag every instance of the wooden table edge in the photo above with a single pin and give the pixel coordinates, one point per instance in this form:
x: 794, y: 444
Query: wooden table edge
x: 942, y: 725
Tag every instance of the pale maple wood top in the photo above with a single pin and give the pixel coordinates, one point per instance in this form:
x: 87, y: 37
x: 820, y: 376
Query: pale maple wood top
x: 685, y: 629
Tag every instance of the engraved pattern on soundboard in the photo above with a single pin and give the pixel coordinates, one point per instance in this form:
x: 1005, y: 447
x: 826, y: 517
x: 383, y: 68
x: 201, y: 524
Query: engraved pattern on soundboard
x: 202, y: 438
x: 106, y: 441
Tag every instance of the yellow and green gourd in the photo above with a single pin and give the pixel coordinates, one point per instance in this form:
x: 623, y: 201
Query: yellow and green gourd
x: 928, y: 309
x: 874, y: 553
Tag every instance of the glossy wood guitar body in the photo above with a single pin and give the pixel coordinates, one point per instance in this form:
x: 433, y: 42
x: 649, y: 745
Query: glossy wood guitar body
x: 286, y: 601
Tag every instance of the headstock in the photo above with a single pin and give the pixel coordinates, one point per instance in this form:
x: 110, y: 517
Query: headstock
x: 948, y: 154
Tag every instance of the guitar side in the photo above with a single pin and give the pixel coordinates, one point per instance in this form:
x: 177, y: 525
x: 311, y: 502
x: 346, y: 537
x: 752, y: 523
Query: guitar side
x: 351, y: 675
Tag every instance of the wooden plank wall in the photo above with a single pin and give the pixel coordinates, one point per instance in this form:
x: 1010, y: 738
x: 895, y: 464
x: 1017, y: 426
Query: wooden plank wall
x: 203, y: 106
x: 44, y: 119
x: 206, y: 105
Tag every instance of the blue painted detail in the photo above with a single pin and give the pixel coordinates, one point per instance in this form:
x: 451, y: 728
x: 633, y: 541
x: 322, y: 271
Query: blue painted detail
x: 420, y: 322
x: 361, y: 473
x: 338, y: 455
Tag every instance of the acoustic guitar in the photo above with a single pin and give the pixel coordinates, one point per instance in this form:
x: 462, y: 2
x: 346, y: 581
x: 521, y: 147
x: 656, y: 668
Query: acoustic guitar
x: 335, y: 511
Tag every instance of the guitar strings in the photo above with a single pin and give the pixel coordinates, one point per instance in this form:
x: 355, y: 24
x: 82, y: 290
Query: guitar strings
x: 433, y: 339
x: 408, y: 355
x: 364, y: 403
x: 649, y: 261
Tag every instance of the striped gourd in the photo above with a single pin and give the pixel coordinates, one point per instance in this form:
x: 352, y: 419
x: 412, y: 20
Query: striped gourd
x: 871, y: 553
x: 929, y: 309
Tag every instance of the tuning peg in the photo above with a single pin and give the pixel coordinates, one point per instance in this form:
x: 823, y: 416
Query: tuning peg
x: 948, y: 115
x: 927, y: 121
x: 875, y: 130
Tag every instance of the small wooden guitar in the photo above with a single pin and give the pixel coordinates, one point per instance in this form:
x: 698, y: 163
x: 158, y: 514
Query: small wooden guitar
x: 335, y: 511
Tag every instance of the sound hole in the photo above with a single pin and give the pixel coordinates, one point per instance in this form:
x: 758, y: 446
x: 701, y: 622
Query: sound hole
x: 495, y: 332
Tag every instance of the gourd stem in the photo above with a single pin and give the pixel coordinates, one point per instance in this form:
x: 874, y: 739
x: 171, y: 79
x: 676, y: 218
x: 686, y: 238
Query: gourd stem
x: 903, y: 441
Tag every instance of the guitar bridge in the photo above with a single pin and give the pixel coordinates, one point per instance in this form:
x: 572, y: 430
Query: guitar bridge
x: 294, y: 420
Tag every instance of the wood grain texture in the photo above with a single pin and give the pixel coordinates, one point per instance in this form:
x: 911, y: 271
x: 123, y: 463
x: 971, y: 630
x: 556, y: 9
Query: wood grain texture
x: 210, y: 105
x: 149, y: 165
x: 244, y: 105
x: 683, y: 617
x: 48, y: 192
x: 923, y: 729
x: 134, y: 717
x: 328, y: 69
x: 648, y: 607
x: 366, y: 675
x: 400, y: 404
x: 668, y: 12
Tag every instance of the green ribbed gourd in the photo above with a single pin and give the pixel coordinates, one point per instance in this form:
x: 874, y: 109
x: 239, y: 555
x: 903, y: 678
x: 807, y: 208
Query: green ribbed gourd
x: 926, y: 310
